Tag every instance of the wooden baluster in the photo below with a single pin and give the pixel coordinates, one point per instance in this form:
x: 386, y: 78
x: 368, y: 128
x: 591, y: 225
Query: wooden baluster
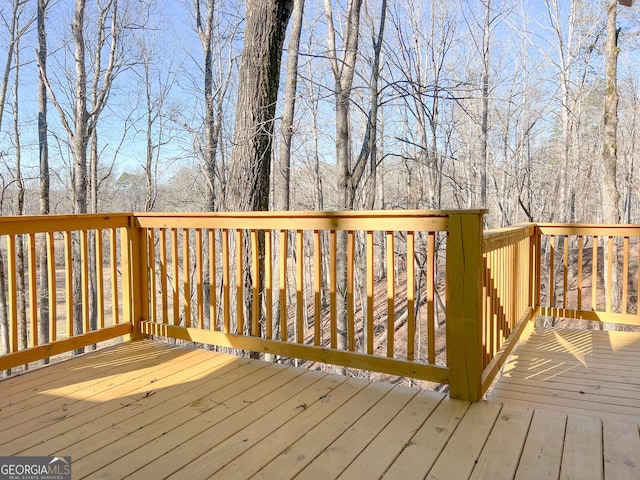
x: 212, y: 281
x: 163, y: 275
x: 411, y: 328
x: 284, y: 312
x: 391, y: 293
x: 431, y: 275
x: 594, y: 275
x: 53, y: 301
x: 333, y: 306
x: 609, y: 264
x: 495, y: 302
x: 33, y: 289
x: 239, y: 282
x: 255, y: 285
x: 68, y: 281
x: 12, y: 286
x: 625, y: 276
x: 268, y: 280
x: 84, y: 256
x: 351, y: 343
x: 370, y: 291
x: 100, y: 279
x: 153, y: 314
x: 565, y: 274
x: 226, y: 276
x: 317, y: 285
x: 199, y: 279
x: 186, y: 277
x: 552, y: 255
x: 175, y: 267
x: 580, y: 273
x: 299, y: 287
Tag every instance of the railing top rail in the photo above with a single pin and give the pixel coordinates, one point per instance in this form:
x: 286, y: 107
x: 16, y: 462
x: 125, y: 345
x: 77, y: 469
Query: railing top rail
x: 315, y: 213
x: 382, y: 220
x: 621, y: 230
x: 14, y: 225
x: 501, y: 237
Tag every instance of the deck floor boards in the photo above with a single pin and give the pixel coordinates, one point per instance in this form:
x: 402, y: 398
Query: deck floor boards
x: 582, y: 372
x: 149, y: 410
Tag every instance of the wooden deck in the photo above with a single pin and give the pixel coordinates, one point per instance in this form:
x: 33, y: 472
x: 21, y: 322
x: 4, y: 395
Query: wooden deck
x: 584, y: 372
x: 146, y: 410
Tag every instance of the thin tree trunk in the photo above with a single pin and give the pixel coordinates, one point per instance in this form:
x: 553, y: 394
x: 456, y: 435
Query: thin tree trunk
x: 343, y: 70
x: 610, y: 194
x: 23, y: 334
x: 484, y: 150
x: 369, y: 147
x: 13, y: 37
x: 43, y: 144
x: 283, y: 183
x: 205, y: 32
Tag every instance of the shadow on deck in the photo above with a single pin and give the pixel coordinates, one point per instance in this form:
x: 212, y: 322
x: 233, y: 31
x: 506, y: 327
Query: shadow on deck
x: 584, y: 372
x: 148, y: 410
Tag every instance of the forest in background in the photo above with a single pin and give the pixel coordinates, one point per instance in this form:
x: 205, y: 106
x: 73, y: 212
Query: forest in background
x: 403, y: 104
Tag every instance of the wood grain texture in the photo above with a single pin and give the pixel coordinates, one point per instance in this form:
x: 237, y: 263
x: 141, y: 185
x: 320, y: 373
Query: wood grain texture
x: 144, y: 409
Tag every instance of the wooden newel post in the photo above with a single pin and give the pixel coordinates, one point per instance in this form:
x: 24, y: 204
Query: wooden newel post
x: 134, y: 276
x: 464, y: 304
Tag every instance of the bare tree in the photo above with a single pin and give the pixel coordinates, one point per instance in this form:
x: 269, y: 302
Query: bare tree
x: 486, y: 65
x: 205, y: 33
x: 158, y: 73
x: 81, y: 128
x: 265, y: 29
x: 20, y: 257
x: 16, y: 29
x: 343, y: 67
x: 610, y: 194
x: 43, y: 154
x: 15, y: 32
x: 291, y: 82
x: 370, y: 142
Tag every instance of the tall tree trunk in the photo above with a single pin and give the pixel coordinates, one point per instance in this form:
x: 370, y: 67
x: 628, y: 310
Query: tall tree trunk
x: 4, y: 86
x: 259, y: 76
x: 79, y: 143
x: 283, y: 183
x: 150, y: 187
x: 84, y: 121
x: 4, y: 314
x: 343, y: 70
x: 205, y: 32
x: 80, y: 138
x: 484, y: 150
x: 610, y: 194
x: 93, y: 276
x: 13, y: 37
x: 248, y: 185
x: 23, y: 334
x: 43, y: 144
x: 369, y: 146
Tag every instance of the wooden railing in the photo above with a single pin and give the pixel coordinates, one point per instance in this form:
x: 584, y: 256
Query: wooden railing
x: 589, y: 272
x: 510, y: 266
x: 277, y: 263
x: 258, y: 282
x: 413, y: 293
x: 46, y: 279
